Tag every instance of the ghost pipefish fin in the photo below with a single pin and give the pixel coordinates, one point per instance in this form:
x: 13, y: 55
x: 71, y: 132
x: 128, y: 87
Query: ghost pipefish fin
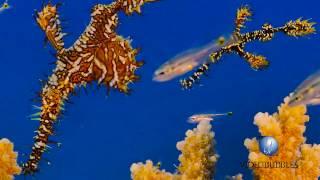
x: 36, y: 119
x: 35, y: 114
x: 36, y: 107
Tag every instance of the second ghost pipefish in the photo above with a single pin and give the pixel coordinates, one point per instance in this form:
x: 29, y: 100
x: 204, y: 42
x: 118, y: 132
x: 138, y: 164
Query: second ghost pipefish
x: 295, y: 28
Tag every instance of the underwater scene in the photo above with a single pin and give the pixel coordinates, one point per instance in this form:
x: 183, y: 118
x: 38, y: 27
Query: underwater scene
x: 160, y: 90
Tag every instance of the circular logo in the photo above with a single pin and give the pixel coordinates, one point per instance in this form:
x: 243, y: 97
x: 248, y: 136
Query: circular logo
x: 268, y: 145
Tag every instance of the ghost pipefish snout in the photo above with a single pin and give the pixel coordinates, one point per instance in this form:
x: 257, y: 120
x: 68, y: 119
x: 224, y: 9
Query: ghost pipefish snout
x: 308, y: 92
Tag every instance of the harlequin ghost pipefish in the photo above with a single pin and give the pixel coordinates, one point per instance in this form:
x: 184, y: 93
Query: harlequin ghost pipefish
x: 257, y: 62
x: 99, y: 54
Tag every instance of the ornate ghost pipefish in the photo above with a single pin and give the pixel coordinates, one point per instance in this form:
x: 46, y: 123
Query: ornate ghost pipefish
x: 99, y: 54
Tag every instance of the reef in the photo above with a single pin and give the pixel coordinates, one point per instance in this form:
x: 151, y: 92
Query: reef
x: 295, y: 28
x: 98, y: 55
x: 197, y: 158
x: 8, y: 160
x: 295, y: 159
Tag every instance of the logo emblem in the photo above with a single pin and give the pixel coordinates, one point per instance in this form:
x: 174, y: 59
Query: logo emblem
x: 268, y: 145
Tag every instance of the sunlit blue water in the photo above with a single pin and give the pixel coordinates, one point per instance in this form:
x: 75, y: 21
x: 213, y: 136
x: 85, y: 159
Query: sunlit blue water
x: 102, y: 136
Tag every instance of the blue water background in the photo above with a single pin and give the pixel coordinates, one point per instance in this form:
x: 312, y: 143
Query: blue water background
x: 103, y: 135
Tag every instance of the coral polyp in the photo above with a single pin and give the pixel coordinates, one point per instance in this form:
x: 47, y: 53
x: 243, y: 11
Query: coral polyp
x: 99, y: 55
x: 295, y: 28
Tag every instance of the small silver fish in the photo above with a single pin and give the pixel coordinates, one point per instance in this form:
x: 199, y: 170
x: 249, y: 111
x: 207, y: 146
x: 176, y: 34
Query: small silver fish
x: 206, y: 117
x: 308, y: 92
x: 188, y: 60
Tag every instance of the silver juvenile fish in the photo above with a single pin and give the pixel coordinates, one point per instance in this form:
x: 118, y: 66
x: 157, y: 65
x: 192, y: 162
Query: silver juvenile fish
x: 308, y: 92
x: 187, y: 61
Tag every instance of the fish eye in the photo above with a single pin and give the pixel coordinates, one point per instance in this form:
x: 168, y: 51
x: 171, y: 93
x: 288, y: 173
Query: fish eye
x: 161, y: 73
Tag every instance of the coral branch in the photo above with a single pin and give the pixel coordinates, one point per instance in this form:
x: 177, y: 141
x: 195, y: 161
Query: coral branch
x: 140, y: 171
x: 197, y: 159
x: 292, y: 28
x: 302, y: 161
x: 8, y: 160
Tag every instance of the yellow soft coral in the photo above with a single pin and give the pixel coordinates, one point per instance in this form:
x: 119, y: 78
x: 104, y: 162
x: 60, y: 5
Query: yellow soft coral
x: 197, y: 159
x: 294, y: 159
x: 8, y: 160
x: 140, y: 171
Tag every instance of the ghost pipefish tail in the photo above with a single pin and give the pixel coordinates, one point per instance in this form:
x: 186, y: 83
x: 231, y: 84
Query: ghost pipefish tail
x: 188, y: 60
